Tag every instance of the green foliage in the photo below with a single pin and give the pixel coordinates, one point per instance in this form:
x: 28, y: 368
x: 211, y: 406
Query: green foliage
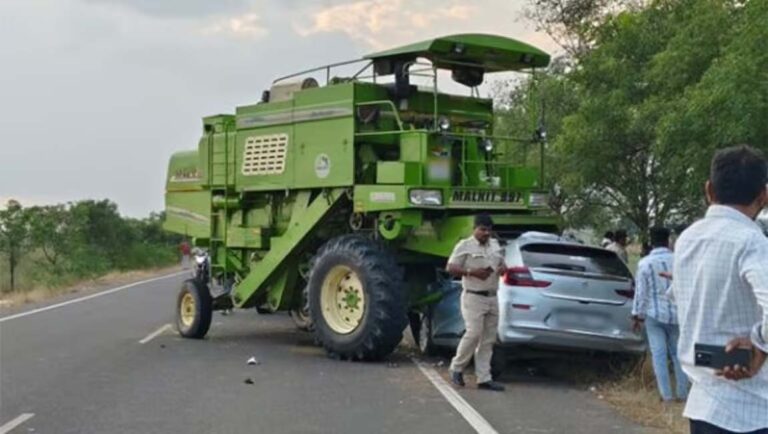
x: 81, y: 240
x: 14, y: 231
x: 573, y: 24
x: 660, y: 88
x: 728, y: 103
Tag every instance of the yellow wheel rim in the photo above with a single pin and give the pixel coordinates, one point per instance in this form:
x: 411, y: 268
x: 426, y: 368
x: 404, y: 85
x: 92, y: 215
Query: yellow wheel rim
x: 342, y: 299
x: 187, y: 310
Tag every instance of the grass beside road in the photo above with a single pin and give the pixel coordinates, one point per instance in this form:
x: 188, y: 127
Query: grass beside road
x: 633, y: 395
x: 84, y: 286
x: 37, y: 282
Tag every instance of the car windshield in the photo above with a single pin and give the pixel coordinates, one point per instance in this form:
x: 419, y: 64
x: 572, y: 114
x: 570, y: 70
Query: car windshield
x: 574, y: 258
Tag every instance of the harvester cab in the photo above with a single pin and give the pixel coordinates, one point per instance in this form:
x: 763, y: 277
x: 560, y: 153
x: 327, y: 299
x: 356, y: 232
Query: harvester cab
x: 338, y: 201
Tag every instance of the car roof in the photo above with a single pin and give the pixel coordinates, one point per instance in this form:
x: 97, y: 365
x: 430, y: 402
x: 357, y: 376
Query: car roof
x: 532, y: 237
x: 514, y: 248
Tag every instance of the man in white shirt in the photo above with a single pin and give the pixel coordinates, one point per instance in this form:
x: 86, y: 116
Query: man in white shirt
x: 721, y: 290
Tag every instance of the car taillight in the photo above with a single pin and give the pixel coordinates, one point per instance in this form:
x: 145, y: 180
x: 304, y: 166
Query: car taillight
x: 521, y: 276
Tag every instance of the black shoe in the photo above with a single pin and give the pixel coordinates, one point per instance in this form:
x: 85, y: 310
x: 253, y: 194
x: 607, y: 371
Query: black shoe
x: 491, y: 385
x: 457, y: 378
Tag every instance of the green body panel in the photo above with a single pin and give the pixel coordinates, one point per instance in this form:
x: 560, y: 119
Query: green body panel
x: 319, y: 128
x: 380, y: 197
x: 270, y: 183
x: 186, y: 212
x: 438, y: 238
x: 398, y: 172
x: 305, y: 217
x: 246, y: 237
x: 187, y: 203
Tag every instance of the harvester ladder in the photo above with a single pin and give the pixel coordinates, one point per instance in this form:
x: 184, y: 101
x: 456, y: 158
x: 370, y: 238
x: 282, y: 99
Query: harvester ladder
x: 218, y: 217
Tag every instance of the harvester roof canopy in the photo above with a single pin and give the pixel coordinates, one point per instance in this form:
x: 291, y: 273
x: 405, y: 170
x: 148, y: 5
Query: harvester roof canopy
x: 490, y: 53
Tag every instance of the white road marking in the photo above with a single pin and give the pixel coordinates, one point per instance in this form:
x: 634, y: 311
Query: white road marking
x: 475, y: 419
x: 156, y: 333
x: 16, y: 422
x: 88, y: 297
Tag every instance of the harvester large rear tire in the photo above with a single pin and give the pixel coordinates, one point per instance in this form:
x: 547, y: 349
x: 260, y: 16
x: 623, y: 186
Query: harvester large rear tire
x: 357, y: 299
x: 194, y: 309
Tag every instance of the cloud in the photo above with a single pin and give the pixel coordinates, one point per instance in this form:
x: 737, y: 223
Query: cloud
x: 382, y: 23
x: 178, y: 8
x: 247, y: 25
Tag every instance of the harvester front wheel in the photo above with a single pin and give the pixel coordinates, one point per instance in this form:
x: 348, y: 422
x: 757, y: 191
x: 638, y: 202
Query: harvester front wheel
x: 424, y: 340
x: 194, y: 309
x: 357, y: 299
x: 300, y: 314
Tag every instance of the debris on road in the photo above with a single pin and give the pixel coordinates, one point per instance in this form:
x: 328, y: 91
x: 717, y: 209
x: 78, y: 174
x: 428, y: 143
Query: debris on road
x: 248, y: 381
x: 162, y: 345
x: 392, y: 365
x: 253, y: 361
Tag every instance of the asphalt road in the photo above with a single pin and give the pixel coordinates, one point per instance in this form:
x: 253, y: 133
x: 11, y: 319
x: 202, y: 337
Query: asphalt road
x: 81, y: 368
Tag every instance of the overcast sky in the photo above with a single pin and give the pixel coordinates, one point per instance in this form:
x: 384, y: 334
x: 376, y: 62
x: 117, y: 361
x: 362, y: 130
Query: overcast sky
x: 95, y: 95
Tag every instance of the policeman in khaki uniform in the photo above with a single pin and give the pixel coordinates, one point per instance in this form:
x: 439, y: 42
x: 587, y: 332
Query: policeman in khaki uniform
x: 479, y: 260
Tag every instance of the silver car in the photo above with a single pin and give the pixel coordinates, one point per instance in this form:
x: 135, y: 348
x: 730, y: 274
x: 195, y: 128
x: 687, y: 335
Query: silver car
x: 557, y: 294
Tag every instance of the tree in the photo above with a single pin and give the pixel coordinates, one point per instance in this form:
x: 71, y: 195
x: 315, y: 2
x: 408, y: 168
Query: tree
x: 638, y: 72
x: 573, y: 24
x: 51, y: 231
x: 728, y: 103
x: 14, y: 233
x: 101, y: 232
x: 540, y: 101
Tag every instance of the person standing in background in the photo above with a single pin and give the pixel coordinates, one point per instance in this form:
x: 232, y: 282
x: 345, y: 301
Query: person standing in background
x: 607, y: 239
x: 619, y: 245
x: 652, y: 308
x: 185, y: 250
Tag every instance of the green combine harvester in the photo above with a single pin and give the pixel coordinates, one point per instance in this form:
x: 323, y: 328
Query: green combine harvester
x: 340, y: 202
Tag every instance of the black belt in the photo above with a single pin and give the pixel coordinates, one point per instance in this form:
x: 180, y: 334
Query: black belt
x: 483, y: 293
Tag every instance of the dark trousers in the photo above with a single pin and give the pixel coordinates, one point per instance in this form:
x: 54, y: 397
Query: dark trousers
x: 701, y: 427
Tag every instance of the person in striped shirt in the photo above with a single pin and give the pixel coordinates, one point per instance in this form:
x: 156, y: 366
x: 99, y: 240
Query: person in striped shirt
x: 653, y: 308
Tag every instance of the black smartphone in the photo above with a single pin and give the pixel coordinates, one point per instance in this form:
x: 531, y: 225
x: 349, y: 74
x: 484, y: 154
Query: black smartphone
x: 715, y: 357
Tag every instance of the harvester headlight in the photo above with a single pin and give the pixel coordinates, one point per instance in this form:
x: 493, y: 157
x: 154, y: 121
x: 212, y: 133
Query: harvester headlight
x: 443, y: 123
x: 487, y: 145
x: 426, y: 197
x: 538, y: 200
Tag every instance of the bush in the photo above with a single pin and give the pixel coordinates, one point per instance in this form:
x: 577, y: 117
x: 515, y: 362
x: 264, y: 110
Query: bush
x: 57, y: 245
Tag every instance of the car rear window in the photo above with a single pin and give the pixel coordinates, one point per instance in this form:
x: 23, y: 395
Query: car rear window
x: 574, y: 258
